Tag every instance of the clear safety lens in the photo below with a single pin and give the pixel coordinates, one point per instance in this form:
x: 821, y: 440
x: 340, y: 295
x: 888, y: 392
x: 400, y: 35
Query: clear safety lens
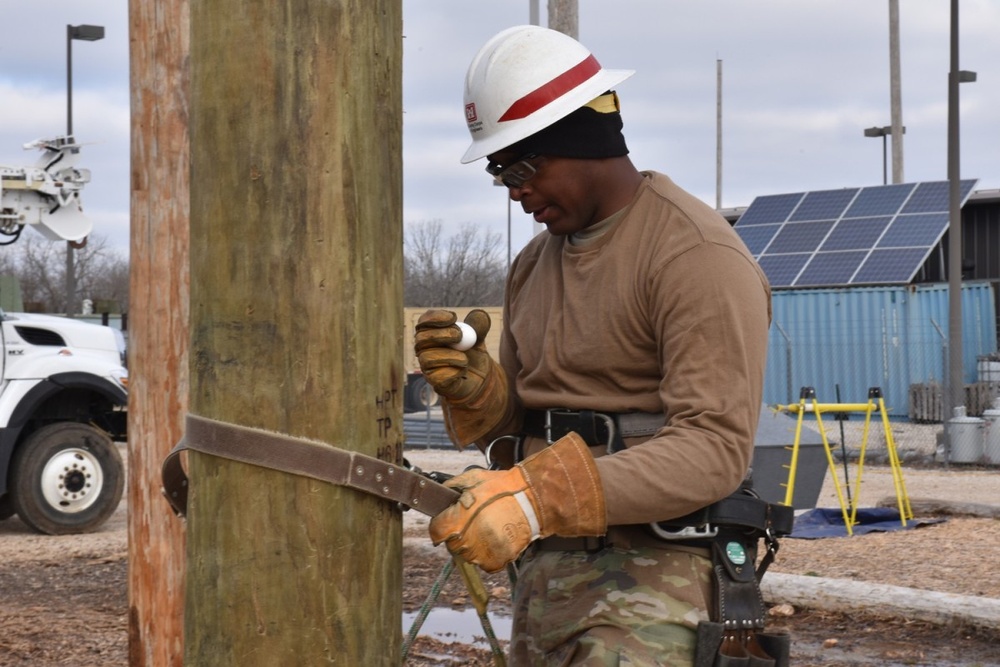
x: 516, y: 175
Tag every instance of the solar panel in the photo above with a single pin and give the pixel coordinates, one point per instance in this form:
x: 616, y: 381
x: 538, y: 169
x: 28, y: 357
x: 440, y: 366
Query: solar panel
x: 800, y: 236
x: 832, y: 268
x: 856, y: 233
x: 880, y: 234
x: 823, y: 205
x: 770, y: 208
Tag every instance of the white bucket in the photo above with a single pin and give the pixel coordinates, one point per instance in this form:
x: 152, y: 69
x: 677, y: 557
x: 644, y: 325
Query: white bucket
x: 991, y: 449
x: 966, y: 435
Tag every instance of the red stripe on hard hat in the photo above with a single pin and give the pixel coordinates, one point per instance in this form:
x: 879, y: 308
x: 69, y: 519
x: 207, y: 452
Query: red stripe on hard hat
x: 552, y: 90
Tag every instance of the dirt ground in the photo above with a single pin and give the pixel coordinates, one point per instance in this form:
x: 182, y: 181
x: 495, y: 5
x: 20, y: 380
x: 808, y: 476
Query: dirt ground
x: 63, y: 600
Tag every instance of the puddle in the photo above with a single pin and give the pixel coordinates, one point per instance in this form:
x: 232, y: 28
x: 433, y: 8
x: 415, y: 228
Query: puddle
x: 458, y: 626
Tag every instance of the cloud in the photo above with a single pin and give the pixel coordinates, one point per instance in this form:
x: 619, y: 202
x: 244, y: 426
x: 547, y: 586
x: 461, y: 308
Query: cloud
x: 801, y: 80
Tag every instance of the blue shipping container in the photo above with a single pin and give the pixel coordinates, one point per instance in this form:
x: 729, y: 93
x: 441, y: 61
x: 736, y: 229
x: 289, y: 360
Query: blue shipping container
x: 861, y: 337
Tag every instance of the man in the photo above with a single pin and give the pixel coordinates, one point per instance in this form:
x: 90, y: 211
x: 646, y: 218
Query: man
x: 630, y: 372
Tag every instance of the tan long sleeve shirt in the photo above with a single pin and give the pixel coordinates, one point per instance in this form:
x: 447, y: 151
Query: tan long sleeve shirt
x: 666, y: 312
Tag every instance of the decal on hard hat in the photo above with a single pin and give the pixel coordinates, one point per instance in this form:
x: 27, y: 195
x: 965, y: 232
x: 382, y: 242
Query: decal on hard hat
x: 552, y: 90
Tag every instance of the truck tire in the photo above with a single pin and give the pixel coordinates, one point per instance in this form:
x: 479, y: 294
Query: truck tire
x: 6, y: 507
x: 420, y: 395
x: 66, y: 478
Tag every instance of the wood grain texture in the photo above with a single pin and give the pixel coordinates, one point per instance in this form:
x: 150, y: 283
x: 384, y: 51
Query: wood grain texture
x: 158, y: 323
x: 296, y: 303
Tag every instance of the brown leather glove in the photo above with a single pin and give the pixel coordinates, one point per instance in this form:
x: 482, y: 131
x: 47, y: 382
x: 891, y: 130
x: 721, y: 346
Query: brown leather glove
x: 472, y: 385
x: 554, y: 492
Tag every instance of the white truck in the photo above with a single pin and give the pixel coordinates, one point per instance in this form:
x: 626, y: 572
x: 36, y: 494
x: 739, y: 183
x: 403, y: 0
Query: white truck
x: 63, y: 408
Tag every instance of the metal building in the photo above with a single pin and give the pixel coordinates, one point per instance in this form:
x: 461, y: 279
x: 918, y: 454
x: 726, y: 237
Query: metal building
x: 860, y: 293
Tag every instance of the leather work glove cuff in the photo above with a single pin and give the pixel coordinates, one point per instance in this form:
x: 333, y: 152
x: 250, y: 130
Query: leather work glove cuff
x: 568, y: 495
x: 469, y: 420
x: 554, y: 492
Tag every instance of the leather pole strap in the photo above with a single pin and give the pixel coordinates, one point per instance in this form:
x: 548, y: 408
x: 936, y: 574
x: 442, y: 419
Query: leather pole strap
x: 298, y: 456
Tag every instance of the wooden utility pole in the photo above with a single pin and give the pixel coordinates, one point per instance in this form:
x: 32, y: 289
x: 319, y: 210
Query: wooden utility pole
x: 895, y: 94
x: 564, y: 16
x: 296, y: 326
x: 158, y: 324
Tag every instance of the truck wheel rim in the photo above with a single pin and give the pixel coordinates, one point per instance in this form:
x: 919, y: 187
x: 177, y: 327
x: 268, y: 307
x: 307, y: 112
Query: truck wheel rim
x: 72, y: 480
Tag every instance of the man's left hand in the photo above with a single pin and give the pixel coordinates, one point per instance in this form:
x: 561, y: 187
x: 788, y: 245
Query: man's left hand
x: 554, y: 492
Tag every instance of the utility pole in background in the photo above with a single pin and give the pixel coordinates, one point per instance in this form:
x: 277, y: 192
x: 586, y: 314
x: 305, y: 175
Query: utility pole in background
x: 956, y: 381
x: 564, y: 16
x: 159, y: 337
x: 718, y: 134
x: 895, y: 94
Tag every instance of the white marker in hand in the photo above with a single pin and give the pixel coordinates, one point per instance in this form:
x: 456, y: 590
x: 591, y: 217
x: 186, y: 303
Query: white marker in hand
x: 468, y: 337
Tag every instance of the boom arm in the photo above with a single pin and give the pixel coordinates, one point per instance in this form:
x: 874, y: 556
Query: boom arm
x: 46, y: 195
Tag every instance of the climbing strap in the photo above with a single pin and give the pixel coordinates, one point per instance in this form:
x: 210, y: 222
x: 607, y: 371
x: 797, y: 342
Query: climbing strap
x: 323, y: 462
x: 298, y: 456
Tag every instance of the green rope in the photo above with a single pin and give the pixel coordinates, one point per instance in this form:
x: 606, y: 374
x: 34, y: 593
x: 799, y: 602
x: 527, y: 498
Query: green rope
x: 498, y: 656
x: 425, y: 609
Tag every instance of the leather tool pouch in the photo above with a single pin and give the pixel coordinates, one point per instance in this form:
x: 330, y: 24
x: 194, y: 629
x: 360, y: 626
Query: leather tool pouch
x: 734, y: 637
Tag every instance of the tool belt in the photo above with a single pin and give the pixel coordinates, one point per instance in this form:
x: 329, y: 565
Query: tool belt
x: 731, y: 529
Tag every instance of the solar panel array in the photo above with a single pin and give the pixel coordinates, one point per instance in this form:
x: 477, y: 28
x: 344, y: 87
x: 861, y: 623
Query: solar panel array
x: 855, y: 236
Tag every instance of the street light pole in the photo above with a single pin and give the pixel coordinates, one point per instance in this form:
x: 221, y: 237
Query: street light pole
x: 883, y: 132
x: 87, y: 33
x: 956, y: 382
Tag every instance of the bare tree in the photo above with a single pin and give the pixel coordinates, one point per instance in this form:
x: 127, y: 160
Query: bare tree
x: 102, y: 273
x: 465, y: 270
x: 41, y: 272
x: 40, y: 266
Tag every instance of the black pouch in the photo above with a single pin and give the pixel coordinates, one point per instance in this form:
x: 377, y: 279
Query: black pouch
x: 734, y: 637
x: 717, y: 648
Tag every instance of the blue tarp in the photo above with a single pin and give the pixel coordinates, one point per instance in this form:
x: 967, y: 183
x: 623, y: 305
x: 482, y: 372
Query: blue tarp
x: 828, y: 522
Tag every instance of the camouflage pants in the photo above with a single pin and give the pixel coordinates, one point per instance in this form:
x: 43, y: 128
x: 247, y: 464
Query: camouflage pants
x: 637, y: 607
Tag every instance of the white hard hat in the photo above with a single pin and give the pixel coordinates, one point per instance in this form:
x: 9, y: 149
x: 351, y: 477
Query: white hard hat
x: 524, y: 79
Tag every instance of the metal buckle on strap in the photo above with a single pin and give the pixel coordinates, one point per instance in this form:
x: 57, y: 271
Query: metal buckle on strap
x: 609, y: 424
x: 686, y: 533
x: 517, y: 452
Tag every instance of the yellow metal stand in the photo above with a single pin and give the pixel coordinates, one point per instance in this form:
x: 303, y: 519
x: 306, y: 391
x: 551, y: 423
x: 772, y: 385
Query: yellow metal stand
x: 808, y: 404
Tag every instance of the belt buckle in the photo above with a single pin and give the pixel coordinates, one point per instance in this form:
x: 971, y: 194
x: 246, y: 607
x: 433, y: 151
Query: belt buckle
x: 548, y: 422
x: 609, y: 424
x: 701, y: 532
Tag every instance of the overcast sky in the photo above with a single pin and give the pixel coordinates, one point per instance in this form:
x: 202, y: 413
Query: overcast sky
x: 801, y: 81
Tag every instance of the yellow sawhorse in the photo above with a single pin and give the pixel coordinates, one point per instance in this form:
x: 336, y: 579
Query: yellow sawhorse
x: 808, y: 404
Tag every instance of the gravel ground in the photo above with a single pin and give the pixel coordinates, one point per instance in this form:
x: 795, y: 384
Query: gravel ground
x: 65, y: 600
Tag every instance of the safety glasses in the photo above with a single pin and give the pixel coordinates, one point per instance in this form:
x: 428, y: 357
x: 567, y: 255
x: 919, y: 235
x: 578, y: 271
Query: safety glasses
x: 515, y: 175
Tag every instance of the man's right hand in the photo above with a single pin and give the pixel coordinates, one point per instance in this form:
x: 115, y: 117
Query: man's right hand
x: 457, y: 376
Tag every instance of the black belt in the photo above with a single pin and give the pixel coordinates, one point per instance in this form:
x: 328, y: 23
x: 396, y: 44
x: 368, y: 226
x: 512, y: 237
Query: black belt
x: 605, y: 429
x: 741, y: 513
x: 739, y: 510
x: 556, y: 543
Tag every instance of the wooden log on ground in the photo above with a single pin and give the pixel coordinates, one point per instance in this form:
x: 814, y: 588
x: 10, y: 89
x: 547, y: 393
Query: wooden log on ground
x: 933, y: 507
x: 852, y: 597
